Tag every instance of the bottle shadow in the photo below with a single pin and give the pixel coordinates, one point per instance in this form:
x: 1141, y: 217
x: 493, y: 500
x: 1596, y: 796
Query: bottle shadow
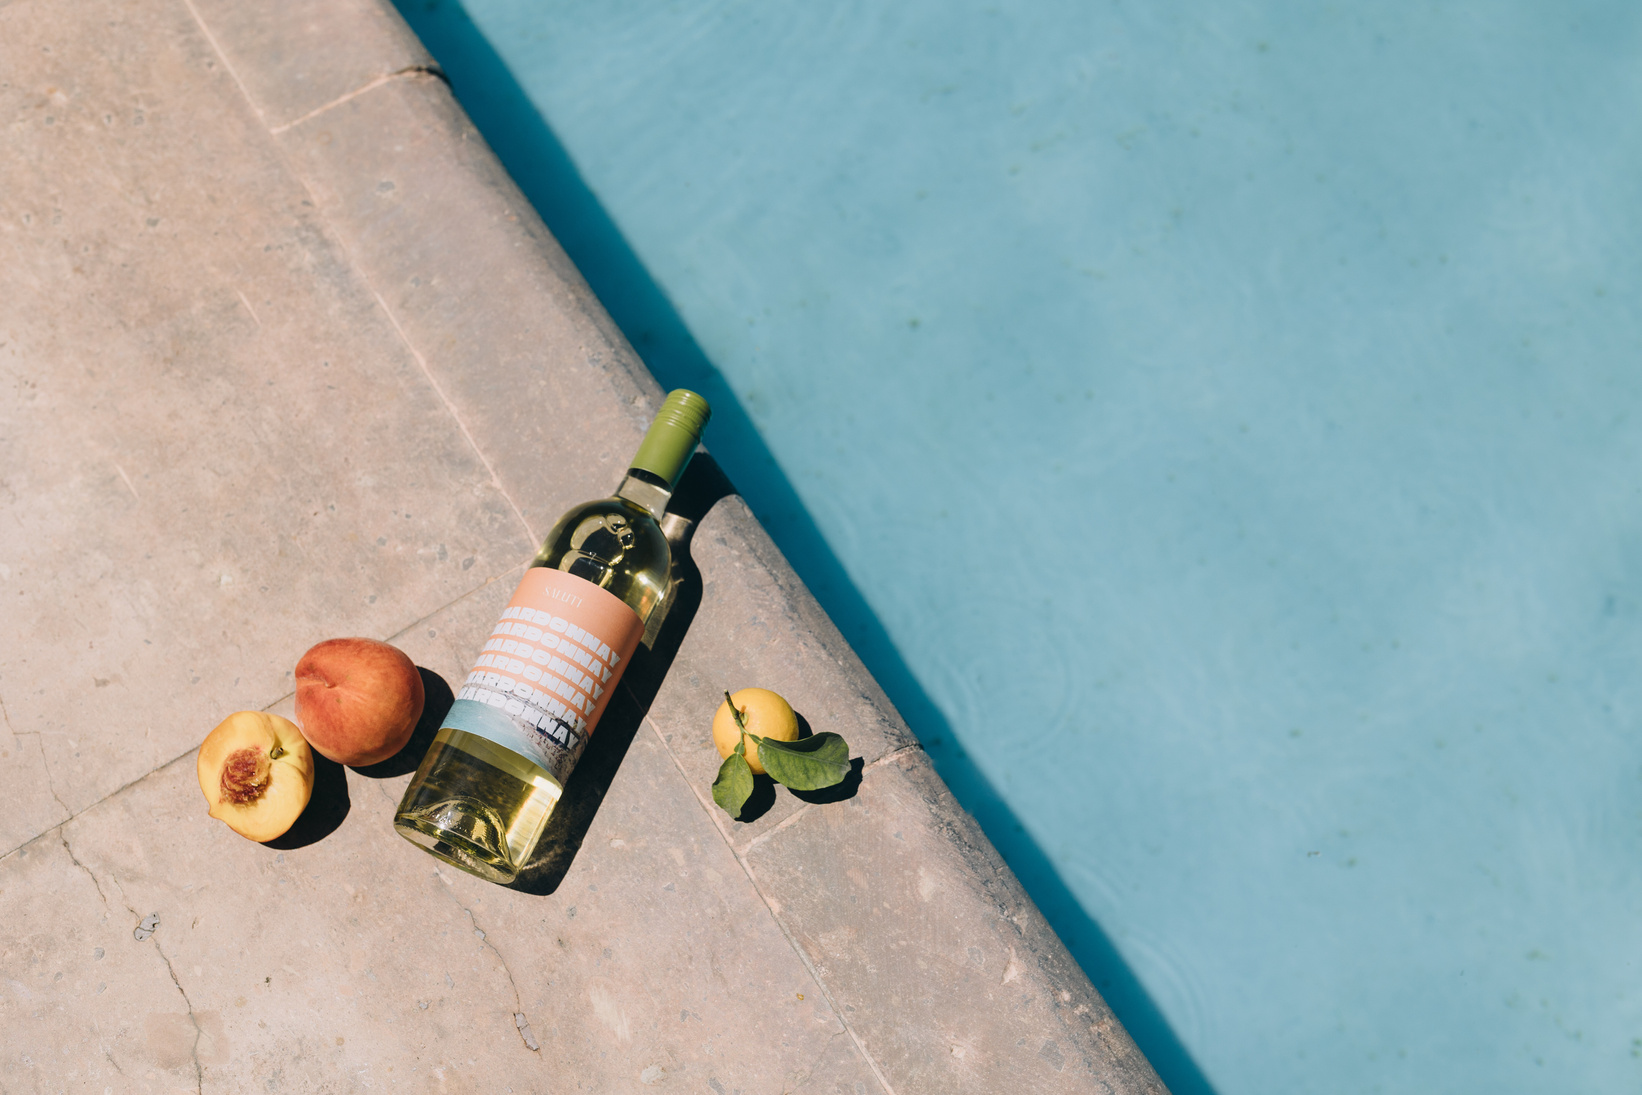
x: 550, y: 180
x: 435, y: 706
x: 702, y: 485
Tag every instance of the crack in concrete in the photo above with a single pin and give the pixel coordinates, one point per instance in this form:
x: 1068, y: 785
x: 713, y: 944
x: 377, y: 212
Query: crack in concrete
x: 5, y: 719
x: 190, y: 751
x: 379, y: 785
x: 199, y: 1032
x: 45, y: 764
x: 519, y: 1019
x: 103, y: 1046
x: 521, y: 1022
x: 123, y: 787
x: 62, y: 835
x: 772, y: 906
x: 194, y: 1050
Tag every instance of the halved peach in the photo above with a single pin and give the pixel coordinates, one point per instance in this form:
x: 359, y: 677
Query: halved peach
x: 257, y: 773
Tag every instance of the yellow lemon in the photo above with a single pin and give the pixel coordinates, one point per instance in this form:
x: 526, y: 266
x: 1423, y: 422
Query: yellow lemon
x: 765, y: 714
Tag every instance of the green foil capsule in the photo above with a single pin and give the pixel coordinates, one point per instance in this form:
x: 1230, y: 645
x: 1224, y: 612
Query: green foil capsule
x: 673, y: 436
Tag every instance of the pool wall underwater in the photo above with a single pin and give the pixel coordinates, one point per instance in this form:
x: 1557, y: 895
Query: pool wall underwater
x: 1217, y: 428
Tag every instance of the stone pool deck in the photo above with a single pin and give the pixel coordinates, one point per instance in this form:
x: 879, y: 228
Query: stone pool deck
x: 284, y: 355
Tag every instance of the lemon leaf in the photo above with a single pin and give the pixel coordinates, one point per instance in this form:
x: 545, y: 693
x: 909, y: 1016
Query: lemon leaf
x: 808, y: 764
x: 734, y: 784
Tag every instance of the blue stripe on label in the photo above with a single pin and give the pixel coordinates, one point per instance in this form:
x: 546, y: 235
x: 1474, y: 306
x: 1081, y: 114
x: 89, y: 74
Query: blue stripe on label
x: 487, y: 722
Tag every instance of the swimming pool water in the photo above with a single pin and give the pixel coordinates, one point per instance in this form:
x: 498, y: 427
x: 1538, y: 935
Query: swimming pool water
x: 1220, y: 426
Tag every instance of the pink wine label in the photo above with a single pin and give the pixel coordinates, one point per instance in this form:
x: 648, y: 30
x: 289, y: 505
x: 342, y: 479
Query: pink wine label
x: 548, y: 669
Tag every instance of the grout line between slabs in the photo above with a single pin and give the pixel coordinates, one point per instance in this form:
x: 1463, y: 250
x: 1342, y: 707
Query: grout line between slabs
x: 92, y: 806
x: 353, y: 260
x: 409, y: 72
x: 438, y: 389
x: 118, y: 790
x: 223, y: 57
x: 773, y: 907
x: 784, y: 822
x: 745, y: 849
x: 424, y: 618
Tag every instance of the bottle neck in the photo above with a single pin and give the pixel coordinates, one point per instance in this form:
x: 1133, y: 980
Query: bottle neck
x: 645, y: 489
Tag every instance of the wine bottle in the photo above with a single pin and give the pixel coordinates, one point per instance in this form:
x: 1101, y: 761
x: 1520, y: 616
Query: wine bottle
x: 484, y: 792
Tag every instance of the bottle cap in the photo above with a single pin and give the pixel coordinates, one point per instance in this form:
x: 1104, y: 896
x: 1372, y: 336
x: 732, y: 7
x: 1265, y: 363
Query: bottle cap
x: 673, y: 436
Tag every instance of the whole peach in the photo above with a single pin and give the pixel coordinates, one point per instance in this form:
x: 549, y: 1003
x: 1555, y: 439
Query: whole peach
x: 357, y: 699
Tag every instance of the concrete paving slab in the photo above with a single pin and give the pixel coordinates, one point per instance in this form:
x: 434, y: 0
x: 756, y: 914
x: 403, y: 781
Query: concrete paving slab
x: 215, y: 444
x: 343, y: 961
x: 502, y: 321
x: 83, y: 1006
x: 655, y: 959
x: 681, y: 969
x: 903, y: 907
x: 32, y: 806
x: 360, y: 956
x: 298, y: 56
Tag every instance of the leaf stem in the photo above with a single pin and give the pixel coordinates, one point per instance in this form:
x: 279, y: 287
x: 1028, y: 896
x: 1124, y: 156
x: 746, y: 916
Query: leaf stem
x: 741, y: 724
x: 740, y: 717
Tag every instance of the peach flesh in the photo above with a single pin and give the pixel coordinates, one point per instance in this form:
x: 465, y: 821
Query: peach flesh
x: 257, y: 773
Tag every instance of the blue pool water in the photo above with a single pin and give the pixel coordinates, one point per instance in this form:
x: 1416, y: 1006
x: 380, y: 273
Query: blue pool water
x: 1220, y: 427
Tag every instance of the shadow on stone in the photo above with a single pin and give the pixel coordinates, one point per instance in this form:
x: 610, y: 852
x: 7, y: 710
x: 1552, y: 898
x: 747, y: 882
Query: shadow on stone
x: 326, y: 808
x: 434, y: 710
x: 759, y: 802
x: 703, y: 485
x: 839, y: 791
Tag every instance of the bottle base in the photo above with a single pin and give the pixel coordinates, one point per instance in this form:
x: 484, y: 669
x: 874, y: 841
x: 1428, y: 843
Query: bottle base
x: 430, y: 830
x: 477, y: 806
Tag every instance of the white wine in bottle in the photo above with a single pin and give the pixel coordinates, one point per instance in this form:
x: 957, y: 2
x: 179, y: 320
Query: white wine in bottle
x: 482, y: 795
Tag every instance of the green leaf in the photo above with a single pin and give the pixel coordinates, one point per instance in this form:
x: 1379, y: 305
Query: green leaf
x: 808, y: 764
x: 734, y: 784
